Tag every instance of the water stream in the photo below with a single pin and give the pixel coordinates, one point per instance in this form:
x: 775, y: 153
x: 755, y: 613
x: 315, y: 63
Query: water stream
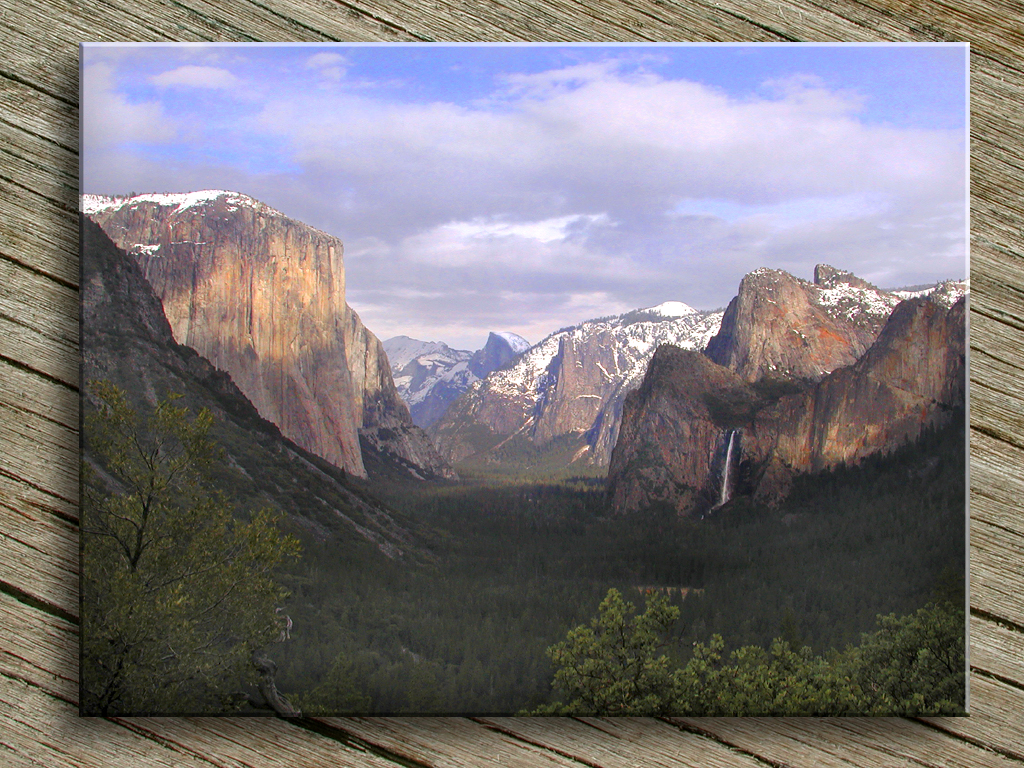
x: 726, y: 491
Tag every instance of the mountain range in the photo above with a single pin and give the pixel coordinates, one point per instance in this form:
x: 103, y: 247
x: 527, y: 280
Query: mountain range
x: 558, y: 404
x: 429, y: 375
x: 680, y: 406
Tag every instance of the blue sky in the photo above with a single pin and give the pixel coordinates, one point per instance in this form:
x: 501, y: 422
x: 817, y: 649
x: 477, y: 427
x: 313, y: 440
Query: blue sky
x: 526, y: 188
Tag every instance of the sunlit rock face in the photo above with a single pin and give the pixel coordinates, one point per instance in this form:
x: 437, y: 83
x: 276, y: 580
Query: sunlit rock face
x: 262, y: 296
x: 676, y: 427
x: 912, y: 377
x: 781, y: 327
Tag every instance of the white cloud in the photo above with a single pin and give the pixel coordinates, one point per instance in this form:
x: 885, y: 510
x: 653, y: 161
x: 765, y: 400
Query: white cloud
x: 319, y: 60
x: 545, y: 231
x: 592, y: 189
x: 195, y: 76
x: 499, y: 198
x: 331, y: 66
x: 608, y: 142
x: 109, y: 118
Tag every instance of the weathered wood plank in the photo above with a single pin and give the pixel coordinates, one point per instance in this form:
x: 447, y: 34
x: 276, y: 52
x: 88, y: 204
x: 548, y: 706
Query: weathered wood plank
x: 28, y: 161
x: 844, y: 742
x: 39, y: 323
x: 622, y: 743
x: 39, y: 556
x: 38, y: 350
x: 912, y: 740
x: 47, y: 730
x: 38, y: 417
x: 40, y: 117
x: 997, y: 580
x: 241, y: 742
x: 997, y: 650
x: 997, y: 717
x: 42, y: 236
x: 995, y: 488
x: 43, y: 239
x: 448, y: 742
x: 39, y: 649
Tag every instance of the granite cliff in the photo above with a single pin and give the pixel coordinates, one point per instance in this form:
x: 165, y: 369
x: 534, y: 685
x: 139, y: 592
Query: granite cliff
x: 781, y: 327
x: 696, y: 433
x: 911, y: 378
x: 127, y: 340
x: 262, y: 296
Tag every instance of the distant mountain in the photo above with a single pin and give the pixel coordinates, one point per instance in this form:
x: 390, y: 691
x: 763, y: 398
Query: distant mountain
x: 784, y: 402
x: 262, y: 296
x: 558, y: 405
x: 127, y: 340
x: 430, y: 375
x: 499, y: 349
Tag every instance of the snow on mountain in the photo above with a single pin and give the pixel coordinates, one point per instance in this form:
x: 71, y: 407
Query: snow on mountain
x: 515, y: 341
x: 180, y: 201
x: 571, y: 383
x: 633, y: 345
x: 429, y: 375
x: 401, y: 350
x: 854, y: 301
x: 946, y: 293
x: 671, y: 309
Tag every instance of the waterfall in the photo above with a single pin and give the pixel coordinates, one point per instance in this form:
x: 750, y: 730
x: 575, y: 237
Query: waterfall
x: 726, y: 491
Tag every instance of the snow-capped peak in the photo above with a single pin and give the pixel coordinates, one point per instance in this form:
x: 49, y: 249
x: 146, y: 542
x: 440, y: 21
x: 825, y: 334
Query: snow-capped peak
x: 180, y: 201
x: 401, y: 350
x: 515, y: 341
x: 672, y: 309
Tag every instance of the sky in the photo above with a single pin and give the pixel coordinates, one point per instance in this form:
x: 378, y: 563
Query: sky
x: 527, y: 188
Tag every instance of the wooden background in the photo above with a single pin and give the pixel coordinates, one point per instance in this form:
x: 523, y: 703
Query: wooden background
x: 39, y: 395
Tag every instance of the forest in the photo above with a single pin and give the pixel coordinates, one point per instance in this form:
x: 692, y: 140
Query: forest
x: 510, y: 570
x: 520, y: 562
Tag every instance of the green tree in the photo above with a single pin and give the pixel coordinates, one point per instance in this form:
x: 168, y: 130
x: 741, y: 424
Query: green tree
x: 613, y: 667
x: 910, y: 665
x: 177, y: 592
x: 337, y: 693
x: 914, y: 664
x: 778, y: 681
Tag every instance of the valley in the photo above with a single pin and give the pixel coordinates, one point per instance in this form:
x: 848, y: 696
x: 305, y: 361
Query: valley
x: 520, y: 563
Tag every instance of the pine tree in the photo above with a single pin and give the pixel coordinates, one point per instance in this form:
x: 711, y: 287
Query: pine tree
x: 177, y: 592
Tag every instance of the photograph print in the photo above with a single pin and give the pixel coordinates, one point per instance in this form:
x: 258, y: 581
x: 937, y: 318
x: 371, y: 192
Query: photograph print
x: 523, y: 379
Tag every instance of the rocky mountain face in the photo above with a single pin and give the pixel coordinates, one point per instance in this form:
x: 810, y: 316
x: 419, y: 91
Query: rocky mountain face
x: 127, y: 340
x: 675, y: 431
x: 498, y: 351
x: 697, y: 432
x: 912, y: 377
x: 565, y: 393
x: 262, y: 296
x: 430, y: 375
x: 782, y: 327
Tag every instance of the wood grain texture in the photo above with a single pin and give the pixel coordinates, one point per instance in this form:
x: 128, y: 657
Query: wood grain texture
x: 39, y: 394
